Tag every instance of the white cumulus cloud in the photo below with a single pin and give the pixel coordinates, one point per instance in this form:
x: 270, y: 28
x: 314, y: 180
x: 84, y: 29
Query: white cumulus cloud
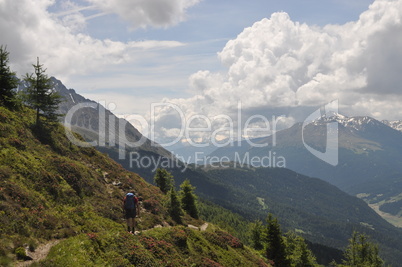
x: 29, y: 30
x: 278, y: 66
x: 142, y: 13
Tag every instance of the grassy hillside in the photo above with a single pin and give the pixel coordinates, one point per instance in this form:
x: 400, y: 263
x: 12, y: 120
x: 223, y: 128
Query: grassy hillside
x: 174, y: 246
x: 51, y: 189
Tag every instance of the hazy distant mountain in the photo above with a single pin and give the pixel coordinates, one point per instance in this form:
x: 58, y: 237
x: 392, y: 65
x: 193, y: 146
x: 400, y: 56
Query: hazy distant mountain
x: 370, y: 155
x: 368, y: 150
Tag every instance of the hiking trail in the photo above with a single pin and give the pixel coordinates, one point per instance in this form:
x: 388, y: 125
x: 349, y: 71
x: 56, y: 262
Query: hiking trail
x: 39, y: 254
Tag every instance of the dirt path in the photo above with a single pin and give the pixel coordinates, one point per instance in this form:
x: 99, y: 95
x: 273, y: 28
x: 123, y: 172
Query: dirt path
x: 39, y: 254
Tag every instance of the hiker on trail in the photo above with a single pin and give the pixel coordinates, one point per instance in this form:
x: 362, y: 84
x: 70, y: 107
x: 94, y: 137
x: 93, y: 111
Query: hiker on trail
x: 132, y: 209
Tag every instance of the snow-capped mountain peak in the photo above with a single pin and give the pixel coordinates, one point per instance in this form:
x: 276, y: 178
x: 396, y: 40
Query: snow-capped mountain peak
x: 356, y: 123
x: 397, y: 125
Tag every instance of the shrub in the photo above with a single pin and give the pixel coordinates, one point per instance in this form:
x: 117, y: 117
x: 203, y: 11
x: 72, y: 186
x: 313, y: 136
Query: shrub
x: 214, y: 239
x: 230, y: 240
x: 152, y: 205
x: 223, y: 239
x: 179, y: 237
x: 20, y: 253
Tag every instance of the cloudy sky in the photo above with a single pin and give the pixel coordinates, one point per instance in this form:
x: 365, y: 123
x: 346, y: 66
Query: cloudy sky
x: 210, y: 57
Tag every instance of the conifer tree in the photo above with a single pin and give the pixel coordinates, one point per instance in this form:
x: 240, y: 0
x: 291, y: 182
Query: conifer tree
x: 255, y: 233
x: 175, y: 210
x: 8, y: 81
x: 274, y: 244
x: 40, y: 95
x: 164, y: 180
x: 297, y: 251
x: 362, y: 253
x: 188, y: 199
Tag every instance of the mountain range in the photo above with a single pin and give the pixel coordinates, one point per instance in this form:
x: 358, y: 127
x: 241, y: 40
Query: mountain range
x: 369, y: 155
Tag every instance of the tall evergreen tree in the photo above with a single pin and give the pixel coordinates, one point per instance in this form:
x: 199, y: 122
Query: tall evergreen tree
x: 175, y: 210
x: 8, y: 81
x: 188, y: 199
x: 362, y: 253
x: 163, y: 179
x: 297, y: 252
x: 274, y: 244
x: 255, y: 233
x: 40, y: 95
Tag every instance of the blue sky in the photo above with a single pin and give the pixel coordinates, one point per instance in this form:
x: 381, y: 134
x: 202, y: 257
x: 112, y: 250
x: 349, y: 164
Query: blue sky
x: 205, y: 30
x: 210, y: 20
x: 205, y: 56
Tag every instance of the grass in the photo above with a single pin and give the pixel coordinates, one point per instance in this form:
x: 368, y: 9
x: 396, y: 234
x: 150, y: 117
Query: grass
x: 51, y: 189
x: 173, y: 246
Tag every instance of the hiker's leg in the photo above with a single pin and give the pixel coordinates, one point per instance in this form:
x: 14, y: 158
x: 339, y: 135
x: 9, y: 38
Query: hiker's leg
x: 128, y: 224
x: 132, y: 224
x: 127, y: 219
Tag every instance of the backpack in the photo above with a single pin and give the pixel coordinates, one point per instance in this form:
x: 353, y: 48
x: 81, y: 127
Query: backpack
x: 130, y: 201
